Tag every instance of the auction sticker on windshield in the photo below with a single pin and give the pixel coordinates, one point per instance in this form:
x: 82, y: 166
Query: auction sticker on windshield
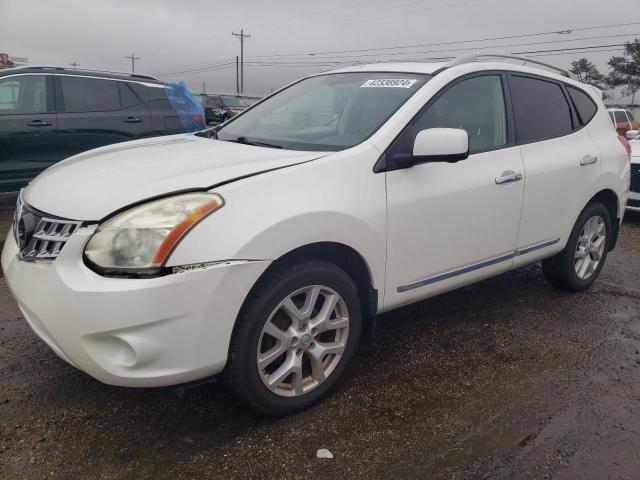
x: 389, y: 83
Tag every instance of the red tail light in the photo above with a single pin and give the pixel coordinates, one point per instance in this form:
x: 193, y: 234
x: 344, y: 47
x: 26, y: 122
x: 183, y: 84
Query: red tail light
x: 626, y: 144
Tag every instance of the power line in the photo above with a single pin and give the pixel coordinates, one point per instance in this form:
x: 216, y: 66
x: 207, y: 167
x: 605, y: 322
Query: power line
x: 328, y: 62
x: 480, y: 48
x: 506, y: 37
x: 455, y: 49
x: 312, y: 56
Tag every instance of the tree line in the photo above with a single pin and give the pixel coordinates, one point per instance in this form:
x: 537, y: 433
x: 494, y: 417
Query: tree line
x: 624, y: 71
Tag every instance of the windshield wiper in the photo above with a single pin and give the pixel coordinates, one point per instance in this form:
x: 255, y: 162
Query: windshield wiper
x: 256, y: 144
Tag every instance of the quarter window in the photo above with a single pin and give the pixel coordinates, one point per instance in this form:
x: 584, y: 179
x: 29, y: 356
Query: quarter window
x: 23, y: 94
x: 584, y: 105
x: 540, y: 109
x: 82, y: 94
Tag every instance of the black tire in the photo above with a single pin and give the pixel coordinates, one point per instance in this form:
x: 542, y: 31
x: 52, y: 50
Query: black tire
x: 560, y: 270
x: 241, y: 374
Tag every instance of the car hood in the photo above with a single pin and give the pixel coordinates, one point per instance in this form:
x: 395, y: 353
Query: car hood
x: 91, y: 185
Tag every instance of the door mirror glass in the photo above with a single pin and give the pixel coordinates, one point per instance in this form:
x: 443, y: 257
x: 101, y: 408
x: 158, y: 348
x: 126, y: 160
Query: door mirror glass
x: 441, y: 145
x: 633, y: 134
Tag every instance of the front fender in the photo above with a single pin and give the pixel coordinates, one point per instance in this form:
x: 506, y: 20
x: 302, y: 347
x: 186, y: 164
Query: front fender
x: 334, y: 199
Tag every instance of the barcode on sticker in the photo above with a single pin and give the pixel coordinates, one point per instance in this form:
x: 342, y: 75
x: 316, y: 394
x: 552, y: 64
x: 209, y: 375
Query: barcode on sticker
x: 389, y: 83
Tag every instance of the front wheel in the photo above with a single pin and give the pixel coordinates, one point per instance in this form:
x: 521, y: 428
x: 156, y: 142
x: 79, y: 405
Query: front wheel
x: 579, y: 264
x: 294, y: 338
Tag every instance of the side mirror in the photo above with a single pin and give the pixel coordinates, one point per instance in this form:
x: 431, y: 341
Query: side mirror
x: 441, y: 145
x: 633, y: 134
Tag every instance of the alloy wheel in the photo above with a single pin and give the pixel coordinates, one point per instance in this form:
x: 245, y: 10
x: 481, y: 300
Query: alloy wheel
x: 303, y: 340
x: 590, y: 247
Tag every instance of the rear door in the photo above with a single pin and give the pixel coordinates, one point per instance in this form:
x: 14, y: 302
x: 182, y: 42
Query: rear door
x: 93, y: 112
x: 28, y: 128
x: 560, y: 161
x: 164, y: 119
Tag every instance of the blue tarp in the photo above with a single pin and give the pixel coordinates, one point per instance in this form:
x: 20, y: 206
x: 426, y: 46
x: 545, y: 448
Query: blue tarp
x: 187, y: 107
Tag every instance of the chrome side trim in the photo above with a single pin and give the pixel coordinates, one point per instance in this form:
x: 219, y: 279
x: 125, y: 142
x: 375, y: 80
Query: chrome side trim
x: 458, y: 271
x: 536, y: 246
x: 477, y: 266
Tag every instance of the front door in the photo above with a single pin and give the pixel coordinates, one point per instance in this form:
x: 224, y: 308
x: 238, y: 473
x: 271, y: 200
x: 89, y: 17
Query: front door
x: 454, y: 223
x: 28, y: 129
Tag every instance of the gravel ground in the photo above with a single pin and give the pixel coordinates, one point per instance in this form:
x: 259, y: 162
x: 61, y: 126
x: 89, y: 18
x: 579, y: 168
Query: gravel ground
x: 508, y: 378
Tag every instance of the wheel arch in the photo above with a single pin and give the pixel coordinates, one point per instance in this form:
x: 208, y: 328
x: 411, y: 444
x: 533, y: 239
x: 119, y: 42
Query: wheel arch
x: 610, y: 200
x: 345, y: 257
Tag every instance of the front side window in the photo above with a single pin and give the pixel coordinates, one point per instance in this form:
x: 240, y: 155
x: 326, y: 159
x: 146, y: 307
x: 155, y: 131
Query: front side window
x: 23, y: 94
x: 213, y: 103
x: 82, y: 94
x: 327, y: 112
x: 475, y: 105
x: 540, y: 109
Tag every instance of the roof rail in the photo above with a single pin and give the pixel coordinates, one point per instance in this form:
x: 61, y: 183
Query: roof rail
x: 124, y: 74
x: 472, y: 57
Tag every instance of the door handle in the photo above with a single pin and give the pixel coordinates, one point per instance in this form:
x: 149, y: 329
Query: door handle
x: 131, y: 120
x: 38, y: 123
x: 588, y: 160
x: 508, y: 176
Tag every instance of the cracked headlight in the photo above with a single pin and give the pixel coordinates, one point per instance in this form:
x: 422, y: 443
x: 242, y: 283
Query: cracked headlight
x: 139, y: 240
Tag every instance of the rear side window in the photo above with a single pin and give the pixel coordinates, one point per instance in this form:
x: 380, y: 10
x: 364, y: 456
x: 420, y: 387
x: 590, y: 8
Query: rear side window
x: 89, y: 94
x: 585, y: 107
x: 620, y: 116
x: 540, y: 109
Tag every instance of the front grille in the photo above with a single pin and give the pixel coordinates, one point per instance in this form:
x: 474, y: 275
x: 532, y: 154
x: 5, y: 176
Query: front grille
x: 635, y: 178
x: 38, y: 235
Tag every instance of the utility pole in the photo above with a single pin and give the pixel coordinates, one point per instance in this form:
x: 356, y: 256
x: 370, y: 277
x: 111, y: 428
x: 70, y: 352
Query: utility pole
x: 241, y: 36
x: 237, y: 78
x: 74, y: 64
x: 133, y: 59
x: 204, y: 89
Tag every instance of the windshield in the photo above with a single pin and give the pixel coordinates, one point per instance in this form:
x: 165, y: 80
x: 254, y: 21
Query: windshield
x: 234, y: 102
x: 328, y: 112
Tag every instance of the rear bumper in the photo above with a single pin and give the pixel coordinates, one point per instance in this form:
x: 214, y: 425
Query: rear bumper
x: 131, y: 332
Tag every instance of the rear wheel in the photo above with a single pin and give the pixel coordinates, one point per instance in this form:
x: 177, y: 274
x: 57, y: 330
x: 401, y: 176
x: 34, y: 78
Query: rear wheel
x: 294, y: 338
x: 579, y: 264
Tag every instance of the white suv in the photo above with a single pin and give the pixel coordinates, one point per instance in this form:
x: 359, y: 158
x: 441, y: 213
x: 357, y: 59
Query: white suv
x: 263, y: 249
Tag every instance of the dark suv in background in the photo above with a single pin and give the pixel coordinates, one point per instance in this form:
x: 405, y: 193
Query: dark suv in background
x: 51, y: 113
x: 220, y: 108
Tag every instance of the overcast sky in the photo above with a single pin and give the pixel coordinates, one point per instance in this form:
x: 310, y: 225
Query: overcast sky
x: 191, y: 40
